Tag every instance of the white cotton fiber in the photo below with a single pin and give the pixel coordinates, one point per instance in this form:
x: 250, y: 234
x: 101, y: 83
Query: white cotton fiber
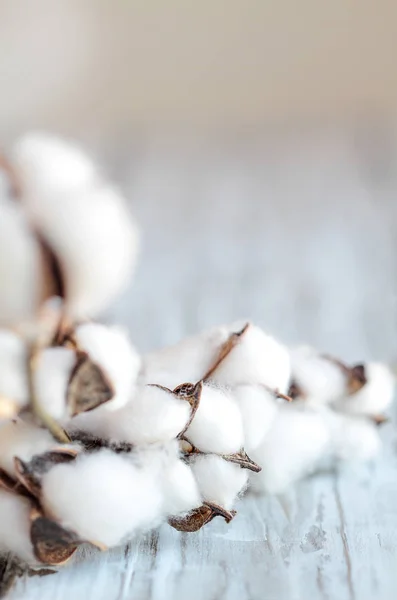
x: 292, y: 449
x: 257, y: 358
x: 217, y: 425
x: 152, y: 415
x: 102, y: 497
x: 110, y: 348
x: 46, y: 164
x: 320, y: 380
x: 15, y: 526
x: 219, y: 481
x: 20, y: 267
x: 13, y: 362
x: 186, y: 361
x: 51, y: 379
x: 375, y: 397
x: 352, y: 439
x: 24, y: 440
x: 258, y: 408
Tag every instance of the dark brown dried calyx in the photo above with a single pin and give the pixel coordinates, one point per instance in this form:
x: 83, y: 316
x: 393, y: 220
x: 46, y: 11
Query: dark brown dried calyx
x: 355, y: 376
x: 295, y: 392
x: 92, y: 443
x: 88, y: 387
x: 12, y: 485
x: 29, y: 474
x: 232, y: 341
x: 243, y: 460
x: 52, y: 543
x: 199, y: 517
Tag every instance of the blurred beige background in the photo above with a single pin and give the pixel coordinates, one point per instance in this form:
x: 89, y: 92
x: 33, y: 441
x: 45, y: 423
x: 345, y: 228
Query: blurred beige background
x: 101, y: 65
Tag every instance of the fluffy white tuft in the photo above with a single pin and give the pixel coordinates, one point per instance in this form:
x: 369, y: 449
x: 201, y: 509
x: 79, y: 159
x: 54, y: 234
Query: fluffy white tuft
x: 217, y: 425
x: 219, y: 481
x: 257, y: 358
x: 375, y: 396
x: 13, y: 361
x: 320, y: 380
x: 15, y: 526
x: 294, y: 446
x: 153, y: 415
x: 51, y: 379
x: 20, y: 266
x: 110, y: 348
x: 24, y: 440
x: 258, y: 408
x: 103, y: 497
x: 352, y: 439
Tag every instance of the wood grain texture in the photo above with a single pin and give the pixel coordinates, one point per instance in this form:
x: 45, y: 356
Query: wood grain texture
x: 298, y: 234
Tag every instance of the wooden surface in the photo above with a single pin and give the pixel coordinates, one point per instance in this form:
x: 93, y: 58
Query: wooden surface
x: 299, y: 235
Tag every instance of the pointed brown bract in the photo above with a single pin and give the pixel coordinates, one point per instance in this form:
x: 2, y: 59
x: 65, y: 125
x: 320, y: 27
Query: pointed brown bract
x: 29, y: 474
x: 192, y: 394
x: 88, y: 387
x: 52, y: 544
x: 356, y: 378
x: 225, y: 349
x: 12, y: 485
x: 92, y: 443
x: 199, y: 517
x: 243, y: 460
x: 294, y: 391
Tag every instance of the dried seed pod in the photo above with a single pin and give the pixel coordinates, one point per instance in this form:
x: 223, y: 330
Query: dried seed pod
x: 52, y: 544
x: 88, y: 387
x: 30, y: 473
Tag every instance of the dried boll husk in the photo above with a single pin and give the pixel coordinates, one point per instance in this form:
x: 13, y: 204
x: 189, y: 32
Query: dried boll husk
x: 375, y: 397
x: 21, y: 267
x: 153, y: 415
x: 316, y: 379
x: 258, y: 407
x: 220, y: 482
x: 83, y: 221
x: 217, y: 425
x: 102, y: 497
x: 29, y: 474
x: 110, y: 349
x: 15, y: 526
x: 13, y: 377
x: 293, y: 448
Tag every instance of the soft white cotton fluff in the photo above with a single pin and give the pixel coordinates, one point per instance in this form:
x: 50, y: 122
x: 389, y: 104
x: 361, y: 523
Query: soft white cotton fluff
x: 320, y: 380
x: 15, y: 526
x: 85, y: 222
x: 110, y: 348
x: 352, y: 439
x: 24, y: 440
x: 188, y: 360
x: 219, y: 481
x: 20, y: 266
x: 102, y: 497
x: 217, y: 425
x: 180, y: 490
x: 292, y: 449
x: 13, y: 363
x: 152, y: 415
x: 375, y: 397
x: 51, y: 379
x: 258, y: 408
x: 257, y: 358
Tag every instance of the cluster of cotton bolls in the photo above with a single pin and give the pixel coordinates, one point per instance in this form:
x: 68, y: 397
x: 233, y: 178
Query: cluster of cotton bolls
x: 98, y: 443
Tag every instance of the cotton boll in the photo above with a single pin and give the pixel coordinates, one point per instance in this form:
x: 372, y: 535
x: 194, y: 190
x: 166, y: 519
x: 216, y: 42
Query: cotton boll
x: 152, y: 415
x: 292, y: 449
x: 352, y: 439
x: 188, y: 360
x: 179, y: 488
x: 102, y: 497
x: 256, y: 358
x: 110, y: 348
x: 13, y: 376
x: 217, y: 425
x: 375, y: 396
x: 20, y: 267
x: 258, y: 408
x: 219, y: 481
x: 24, y: 440
x: 320, y: 380
x: 45, y: 163
x: 51, y: 379
x: 15, y: 526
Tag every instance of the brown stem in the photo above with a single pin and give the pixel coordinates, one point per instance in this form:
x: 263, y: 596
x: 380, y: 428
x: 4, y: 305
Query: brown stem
x: 225, y: 349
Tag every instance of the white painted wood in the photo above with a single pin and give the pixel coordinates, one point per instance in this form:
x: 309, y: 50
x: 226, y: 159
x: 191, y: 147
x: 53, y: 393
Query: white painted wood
x: 299, y: 235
